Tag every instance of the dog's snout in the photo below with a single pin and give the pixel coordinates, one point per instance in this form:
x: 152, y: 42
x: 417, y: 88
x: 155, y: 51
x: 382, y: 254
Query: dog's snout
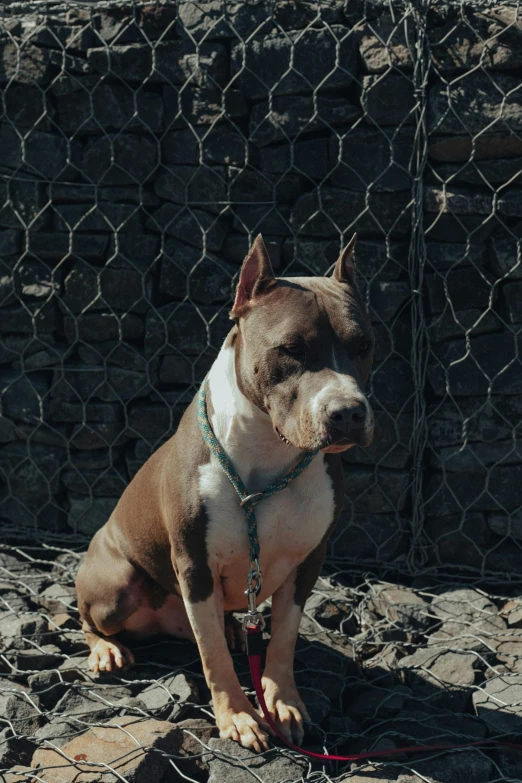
x: 346, y: 415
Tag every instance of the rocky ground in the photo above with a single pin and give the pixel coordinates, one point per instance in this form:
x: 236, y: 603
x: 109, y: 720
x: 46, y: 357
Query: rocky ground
x: 380, y: 664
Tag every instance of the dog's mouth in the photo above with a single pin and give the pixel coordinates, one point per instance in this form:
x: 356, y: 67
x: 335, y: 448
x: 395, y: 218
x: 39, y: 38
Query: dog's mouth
x: 282, y: 437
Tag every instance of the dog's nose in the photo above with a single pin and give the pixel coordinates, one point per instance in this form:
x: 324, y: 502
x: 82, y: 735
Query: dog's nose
x: 346, y: 416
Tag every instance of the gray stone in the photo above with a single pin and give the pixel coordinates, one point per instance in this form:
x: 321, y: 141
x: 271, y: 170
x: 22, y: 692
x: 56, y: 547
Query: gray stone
x: 25, y: 64
x: 184, y: 328
x: 274, y: 766
x: 374, y: 704
x: 504, y: 525
x: 48, y: 686
x: 177, y: 62
x: 478, y: 101
x: 471, y: 491
x: 98, y: 435
x: 21, y: 709
x: 443, y: 679
x: 202, y: 106
x: 220, y: 144
x: 193, y: 226
x: 477, y: 172
x: 250, y: 186
x: 109, y: 483
x: 10, y: 242
x: 473, y: 420
x: 325, y: 219
x: 31, y: 318
x: 102, y: 326
x: 367, y: 158
x: 45, y: 657
x: 392, y: 385
x: 490, y: 362
x: 466, y: 147
x: 387, y: 298
x: 87, y: 515
x: 460, y: 539
x: 23, y: 204
x: 456, y: 201
x: 14, y: 750
x: 28, y: 106
x: 168, y: 698
x: 451, y: 324
x: 388, y: 99
x: 152, y: 421
x: 289, y: 116
x: 391, y: 444
x: 469, y: 620
x: 403, y: 608
x: 370, y: 537
x: 474, y: 456
x: 207, y: 187
x: 134, y: 251
x: 511, y: 294
x: 505, y: 255
x: 109, y: 107
x: 55, y: 246
x: 45, y: 155
x: 373, y: 259
x: 386, y: 43
x: 24, y: 397
x: 294, y: 62
x: 114, y: 352
x: 17, y: 631
x: 110, y: 384
x: 308, y: 158
x: 236, y: 247
x: 59, y: 730
x: 120, y: 218
x: 88, y: 288
x: 451, y: 768
x: 186, y: 271
x: 36, y: 280
x: 218, y: 19
x: 463, y: 287
x: 98, y: 459
x: 196, y: 734
x: 57, y: 598
x: 292, y: 15
x: 498, y: 702
x: 125, y: 159
x: 375, y: 492
x: 264, y: 219
x: 176, y: 369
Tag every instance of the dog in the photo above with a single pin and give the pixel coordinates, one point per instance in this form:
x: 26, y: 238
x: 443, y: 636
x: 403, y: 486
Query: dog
x: 173, y: 556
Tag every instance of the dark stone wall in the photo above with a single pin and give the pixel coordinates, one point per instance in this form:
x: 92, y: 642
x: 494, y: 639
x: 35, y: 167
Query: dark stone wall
x: 141, y: 150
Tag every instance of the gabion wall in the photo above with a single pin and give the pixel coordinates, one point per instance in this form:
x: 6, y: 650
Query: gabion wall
x: 142, y: 148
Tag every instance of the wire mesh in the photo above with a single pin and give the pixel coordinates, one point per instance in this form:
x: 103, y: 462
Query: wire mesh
x: 143, y: 146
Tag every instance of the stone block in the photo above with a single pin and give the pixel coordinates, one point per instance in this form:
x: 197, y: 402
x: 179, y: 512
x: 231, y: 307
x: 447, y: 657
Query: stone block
x: 193, y: 226
x: 119, y: 353
x: 465, y: 147
x: 186, y: 271
x: 498, y: 702
x: 457, y: 201
x: 36, y: 280
x: 22, y: 204
x: 125, y: 159
x: 386, y: 43
x: 458, y: 540
x: 28, y: 106
x: 183, y: 328
x: 102, y: 326
x: 384, y: 214
x: 179, y: 370
x: 451, y: 324
x: 456, y: 492
x: 504, y: 525
x: 477, y: 102
x: 116, y: 218
x: 490, y: 361
x: 61, y: 411
x: 308, y: 158
x: 295, y: 62
x: 89, y: 288
x: 251, y: 186
x: 153, y: 421
x: 511, y: 300
x: 87, y: 515
x: 392, y: 385
x: 286, y: 117
x: 45, y: 155
x: 109, y: 107
x: 10, y: 242
x: 24, y: 63
x: 167, y: 698
x: 56, y: 246
x: 388, y: 99
x: 32, y: 318
x: 387, y: 298
x: 133, y: 251
x: 202, y: 185
x: 369, y: 159
x: 375, y: 491
x: 474, y: 456
x: 108, y: 483
x: 451, y: 770
x: 205, y: 106
x: 505, y: 255
x: 391, y: 442
x: 262, y: 219
x: 110, y: 384
x: 24, y: 397
x: 177, y: 62
x: 220, y: 144
x: 20, y: 710
x: 477, y: 172
x: 218, y: 19
x: 447, y: 227
x: 464, y: 287
x: 273, y: 766
x: 469, y: 420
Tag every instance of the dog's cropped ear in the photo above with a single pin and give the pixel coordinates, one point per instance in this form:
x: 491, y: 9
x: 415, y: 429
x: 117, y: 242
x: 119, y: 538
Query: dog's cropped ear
x: 344, y: 270
x: 255, y: 278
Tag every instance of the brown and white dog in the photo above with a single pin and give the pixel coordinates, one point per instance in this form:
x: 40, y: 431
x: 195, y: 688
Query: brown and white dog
x: 173, y: 557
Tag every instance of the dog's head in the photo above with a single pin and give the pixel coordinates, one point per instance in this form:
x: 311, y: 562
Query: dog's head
x: 304, y: 350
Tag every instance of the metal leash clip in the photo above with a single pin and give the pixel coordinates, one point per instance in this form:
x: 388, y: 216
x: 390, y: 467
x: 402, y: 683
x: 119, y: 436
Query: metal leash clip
x: 253, y: 617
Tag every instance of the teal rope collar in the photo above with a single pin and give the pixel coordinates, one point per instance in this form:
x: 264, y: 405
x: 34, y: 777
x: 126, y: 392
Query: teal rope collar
x: 247, y: 501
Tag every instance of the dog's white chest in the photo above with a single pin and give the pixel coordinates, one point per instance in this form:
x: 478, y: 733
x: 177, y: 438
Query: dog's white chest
x: 290, y: 523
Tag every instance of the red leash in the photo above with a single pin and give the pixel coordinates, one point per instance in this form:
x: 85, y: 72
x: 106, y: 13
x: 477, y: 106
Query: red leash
x: 254, y: 636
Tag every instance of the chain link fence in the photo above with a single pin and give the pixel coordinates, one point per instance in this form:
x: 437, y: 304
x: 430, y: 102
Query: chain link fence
x: 142, y: 148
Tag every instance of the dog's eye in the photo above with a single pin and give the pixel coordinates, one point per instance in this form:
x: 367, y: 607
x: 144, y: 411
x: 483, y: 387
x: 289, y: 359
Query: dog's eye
x: 294, y: 349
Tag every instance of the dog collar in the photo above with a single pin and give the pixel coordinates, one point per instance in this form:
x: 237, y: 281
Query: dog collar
x: 247, y: 501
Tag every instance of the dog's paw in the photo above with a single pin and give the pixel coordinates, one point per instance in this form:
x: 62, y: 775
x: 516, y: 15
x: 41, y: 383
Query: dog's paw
x: 286, y: 709
x: 108, y: 655
x: 247, y: 728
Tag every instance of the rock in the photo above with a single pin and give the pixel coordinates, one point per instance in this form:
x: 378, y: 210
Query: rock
x: 249, y: 186
x: 125, y: 159
x: 177, y: 62
x: 385, y: 43
x: 188, y: 271
x: 24, y: 397
x: 96, y: 704
x: 61, y: 411
x: 473, y: 420
x: 498, y: 702
x: 458, y: 323
x: 508, y: 650
x: 45, y: 657
x: 48, y: 686
x: 390, y: 447
x: 45, y: 155
x: 27, y: 106
x: 294, y: 62
x: 290, y: 116
x: 186, y: 184
x: 193, y: 226
x: 387, y: 298
x: 262, y: 219
x: 317, y: 703
x: 455, y: 492
x: 400, y: 607
x: 87, y: 288
x: 474, y: 456
x: 169, y: 697
x: 205, y: 106
x: 111, y: 107
x: 309, y: 158
x: 393, y: 385
x: 371, y: 158
x: 87, y: 515
x: 55, y: 246
x: 218, y: 19
x: 365, y: 493
x: 457, y: 201
x: 25, y: 64
x: 110, y: 384
x: 116, y: 218
x: 274, y: 766
x: 464, y: 147
x: 476, y: 172
x: 480, y: 100
x: 511, y: 298
x: 185, y: 329
x: 370, y: 537
x: 10, y: 242
x: 426, y: 724
x: 220, y: 144
x: 98, y: 435
x: 196, y: 734
x: 314, y: 219
x: 504, y: 254
x: 20, y: 709
x: 117, y: 353
x: 464, y: 287
x: 374, y: 704
x: 388, y: 99
x: 13, y: 751
x: 180, y: 370
x: 441, y: 678
x: 512, y: 612
x: 451, y: 768
x: 504, y: 525
x: 134, y: 251
x: 102, y: 326
x: 127, y: 741
x: 469, y: 619
x: 110, y: 483
x: 488, y: 363
x: 23, y: 205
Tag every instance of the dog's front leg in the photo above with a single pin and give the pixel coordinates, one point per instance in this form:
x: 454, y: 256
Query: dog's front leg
x: 281, y: 695
x: 235, y: 716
